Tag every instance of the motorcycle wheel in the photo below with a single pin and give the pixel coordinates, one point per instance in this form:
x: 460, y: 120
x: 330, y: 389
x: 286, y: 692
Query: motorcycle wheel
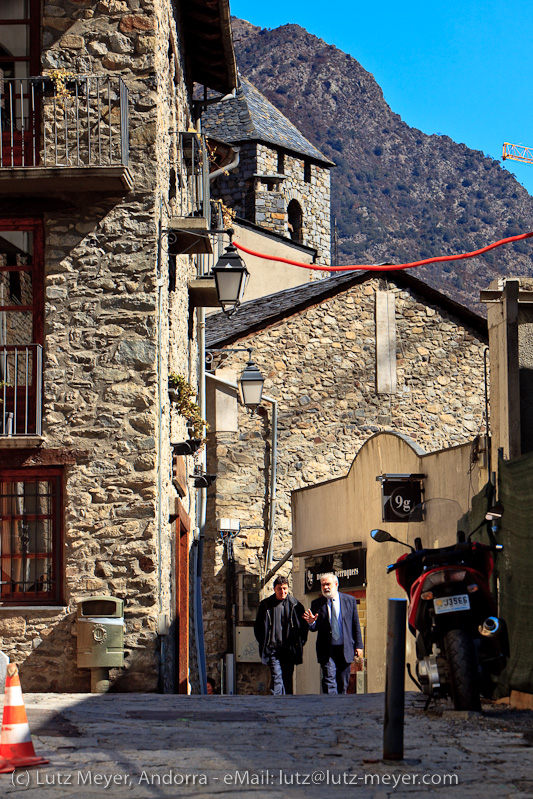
x: 462, y: 663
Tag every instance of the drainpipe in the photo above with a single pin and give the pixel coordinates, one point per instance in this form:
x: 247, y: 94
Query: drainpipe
x: 202, y: 515
x: 202, y: 495
x: 273, y: 491
x: 273, y: 466
x: 233, y: 165
x: 159, y: 526
x: 269, y: 575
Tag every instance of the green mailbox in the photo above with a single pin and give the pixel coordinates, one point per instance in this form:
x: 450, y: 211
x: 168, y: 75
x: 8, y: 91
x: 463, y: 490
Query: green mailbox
x: 100, y: 625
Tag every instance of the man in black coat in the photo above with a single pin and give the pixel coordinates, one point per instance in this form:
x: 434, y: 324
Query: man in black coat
x: 334, y: 618
x: 281, y: 634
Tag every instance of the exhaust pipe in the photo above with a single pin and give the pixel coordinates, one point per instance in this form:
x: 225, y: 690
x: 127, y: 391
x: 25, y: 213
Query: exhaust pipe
x: 490, y: 626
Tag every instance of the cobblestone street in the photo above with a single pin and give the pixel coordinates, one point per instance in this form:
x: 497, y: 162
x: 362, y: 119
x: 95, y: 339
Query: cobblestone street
x: 151, y: 745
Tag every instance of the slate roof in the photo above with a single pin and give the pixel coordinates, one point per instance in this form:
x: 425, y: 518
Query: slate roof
x: 264, y: 311
x: 250, y: 117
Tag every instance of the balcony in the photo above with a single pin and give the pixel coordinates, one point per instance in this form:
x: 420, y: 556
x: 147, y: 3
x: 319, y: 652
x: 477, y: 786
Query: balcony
x: 64, y: 137
x: 189, y: 226
x: 21, y: 370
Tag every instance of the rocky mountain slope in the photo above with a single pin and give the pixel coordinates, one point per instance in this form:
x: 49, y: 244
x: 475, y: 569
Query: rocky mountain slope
x: 398, y: 194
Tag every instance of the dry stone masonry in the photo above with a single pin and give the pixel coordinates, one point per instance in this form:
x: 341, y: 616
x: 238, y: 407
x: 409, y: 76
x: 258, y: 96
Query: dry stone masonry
x: 113, y: 331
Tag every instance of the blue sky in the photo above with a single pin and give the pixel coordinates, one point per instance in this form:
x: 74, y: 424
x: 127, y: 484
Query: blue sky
x: 463, y: 69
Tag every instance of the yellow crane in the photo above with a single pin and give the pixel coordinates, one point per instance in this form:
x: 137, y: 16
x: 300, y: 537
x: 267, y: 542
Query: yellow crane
x: 517, y: 152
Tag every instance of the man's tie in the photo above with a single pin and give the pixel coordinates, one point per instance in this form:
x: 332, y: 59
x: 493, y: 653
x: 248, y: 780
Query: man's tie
x: 335, y: 630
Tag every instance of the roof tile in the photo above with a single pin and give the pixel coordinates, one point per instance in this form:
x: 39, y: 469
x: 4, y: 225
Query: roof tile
x: 251, y: 117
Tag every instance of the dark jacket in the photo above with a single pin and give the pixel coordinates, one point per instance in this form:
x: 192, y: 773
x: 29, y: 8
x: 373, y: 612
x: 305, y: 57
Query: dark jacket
x: 294, y: 634
x: 351, y: 630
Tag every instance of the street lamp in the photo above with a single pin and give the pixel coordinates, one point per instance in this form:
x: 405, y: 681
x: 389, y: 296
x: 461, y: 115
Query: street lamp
x: 251, y: 384
x: 231, y: 277
x: 251, y: 381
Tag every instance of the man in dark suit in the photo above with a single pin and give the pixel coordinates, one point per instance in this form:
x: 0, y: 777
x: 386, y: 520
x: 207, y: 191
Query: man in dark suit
x: 334, y: 618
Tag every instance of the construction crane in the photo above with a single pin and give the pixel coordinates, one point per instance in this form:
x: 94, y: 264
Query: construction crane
x: 517, y: 152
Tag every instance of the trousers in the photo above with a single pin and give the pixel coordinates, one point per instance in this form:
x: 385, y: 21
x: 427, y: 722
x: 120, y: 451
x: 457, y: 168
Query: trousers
x: 336, y: 672
x: 281, y: 671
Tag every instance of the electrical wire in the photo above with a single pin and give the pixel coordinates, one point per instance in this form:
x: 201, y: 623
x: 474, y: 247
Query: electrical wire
x: 384, y: 267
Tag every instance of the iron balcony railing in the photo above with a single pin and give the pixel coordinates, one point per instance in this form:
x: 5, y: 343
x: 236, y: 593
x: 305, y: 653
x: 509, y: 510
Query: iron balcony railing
x: 21, y: 376
x: 81, y: 122
x: 193, y: 176
x: 205, y: 263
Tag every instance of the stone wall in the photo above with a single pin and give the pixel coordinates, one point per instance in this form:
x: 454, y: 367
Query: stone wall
x: 320, y: 368
x: 112, y: 334
x: 253, y: 196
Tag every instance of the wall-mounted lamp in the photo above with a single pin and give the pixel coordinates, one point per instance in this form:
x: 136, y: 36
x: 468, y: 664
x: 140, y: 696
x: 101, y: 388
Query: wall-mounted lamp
x: 231, y: 277
x: 203, y: 480
x: 187, y: 447
x: 250, y: 382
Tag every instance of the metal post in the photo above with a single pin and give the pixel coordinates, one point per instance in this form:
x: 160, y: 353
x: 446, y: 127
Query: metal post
x: 230, y: 674
x: 394, y: 681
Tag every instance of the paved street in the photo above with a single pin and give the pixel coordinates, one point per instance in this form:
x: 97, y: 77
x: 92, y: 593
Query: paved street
x: 147, y: 745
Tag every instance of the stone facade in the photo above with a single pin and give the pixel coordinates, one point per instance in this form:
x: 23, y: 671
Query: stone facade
x: 114, y: 327
x: 282, y: 182
x: 258, y: 194
x: 320, y: 368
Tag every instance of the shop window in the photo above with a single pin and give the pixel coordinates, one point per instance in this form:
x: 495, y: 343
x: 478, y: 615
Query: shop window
x: 30, y: 536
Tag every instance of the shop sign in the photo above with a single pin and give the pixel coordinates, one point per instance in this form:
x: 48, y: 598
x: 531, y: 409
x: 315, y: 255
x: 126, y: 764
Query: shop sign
x: 349, y: 566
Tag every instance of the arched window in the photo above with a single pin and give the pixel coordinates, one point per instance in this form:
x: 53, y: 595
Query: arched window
x: 295, y: 218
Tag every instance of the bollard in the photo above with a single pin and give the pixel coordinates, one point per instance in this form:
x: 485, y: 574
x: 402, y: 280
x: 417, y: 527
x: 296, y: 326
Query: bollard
x: 394, y: 681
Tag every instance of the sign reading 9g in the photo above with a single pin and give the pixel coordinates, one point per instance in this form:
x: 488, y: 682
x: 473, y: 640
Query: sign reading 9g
x: 402, y: 500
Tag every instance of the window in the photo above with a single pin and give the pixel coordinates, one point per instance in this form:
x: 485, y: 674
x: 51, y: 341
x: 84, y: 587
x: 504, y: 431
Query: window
x: 307, y: 172
x: 21, y: 326
x: 30, y: 536
x: 21, y: 272
x: 281, y: 163
x: 19, y: 39
x: 295, y: 217
x: 19, y: 60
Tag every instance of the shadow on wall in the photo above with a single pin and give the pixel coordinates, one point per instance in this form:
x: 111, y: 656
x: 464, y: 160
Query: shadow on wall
x: 140, y: 672
x: 51, y: 666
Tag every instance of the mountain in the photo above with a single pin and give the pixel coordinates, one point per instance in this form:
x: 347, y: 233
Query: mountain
x: 398, y: 195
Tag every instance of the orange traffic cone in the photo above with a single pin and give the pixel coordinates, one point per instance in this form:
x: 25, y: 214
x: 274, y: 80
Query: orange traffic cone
x: 15, y: 739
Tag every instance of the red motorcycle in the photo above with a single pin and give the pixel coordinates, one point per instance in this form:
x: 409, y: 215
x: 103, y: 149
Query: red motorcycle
x: 461, y: 644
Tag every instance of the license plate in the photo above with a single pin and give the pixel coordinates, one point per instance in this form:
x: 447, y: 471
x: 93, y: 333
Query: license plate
x: 448, y: 604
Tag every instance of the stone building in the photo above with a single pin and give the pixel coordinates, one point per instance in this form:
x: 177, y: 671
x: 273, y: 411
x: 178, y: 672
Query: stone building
x: 101, y: 153
x: 280, y: 183
x: 387, y: 468
x: 344, y: 358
